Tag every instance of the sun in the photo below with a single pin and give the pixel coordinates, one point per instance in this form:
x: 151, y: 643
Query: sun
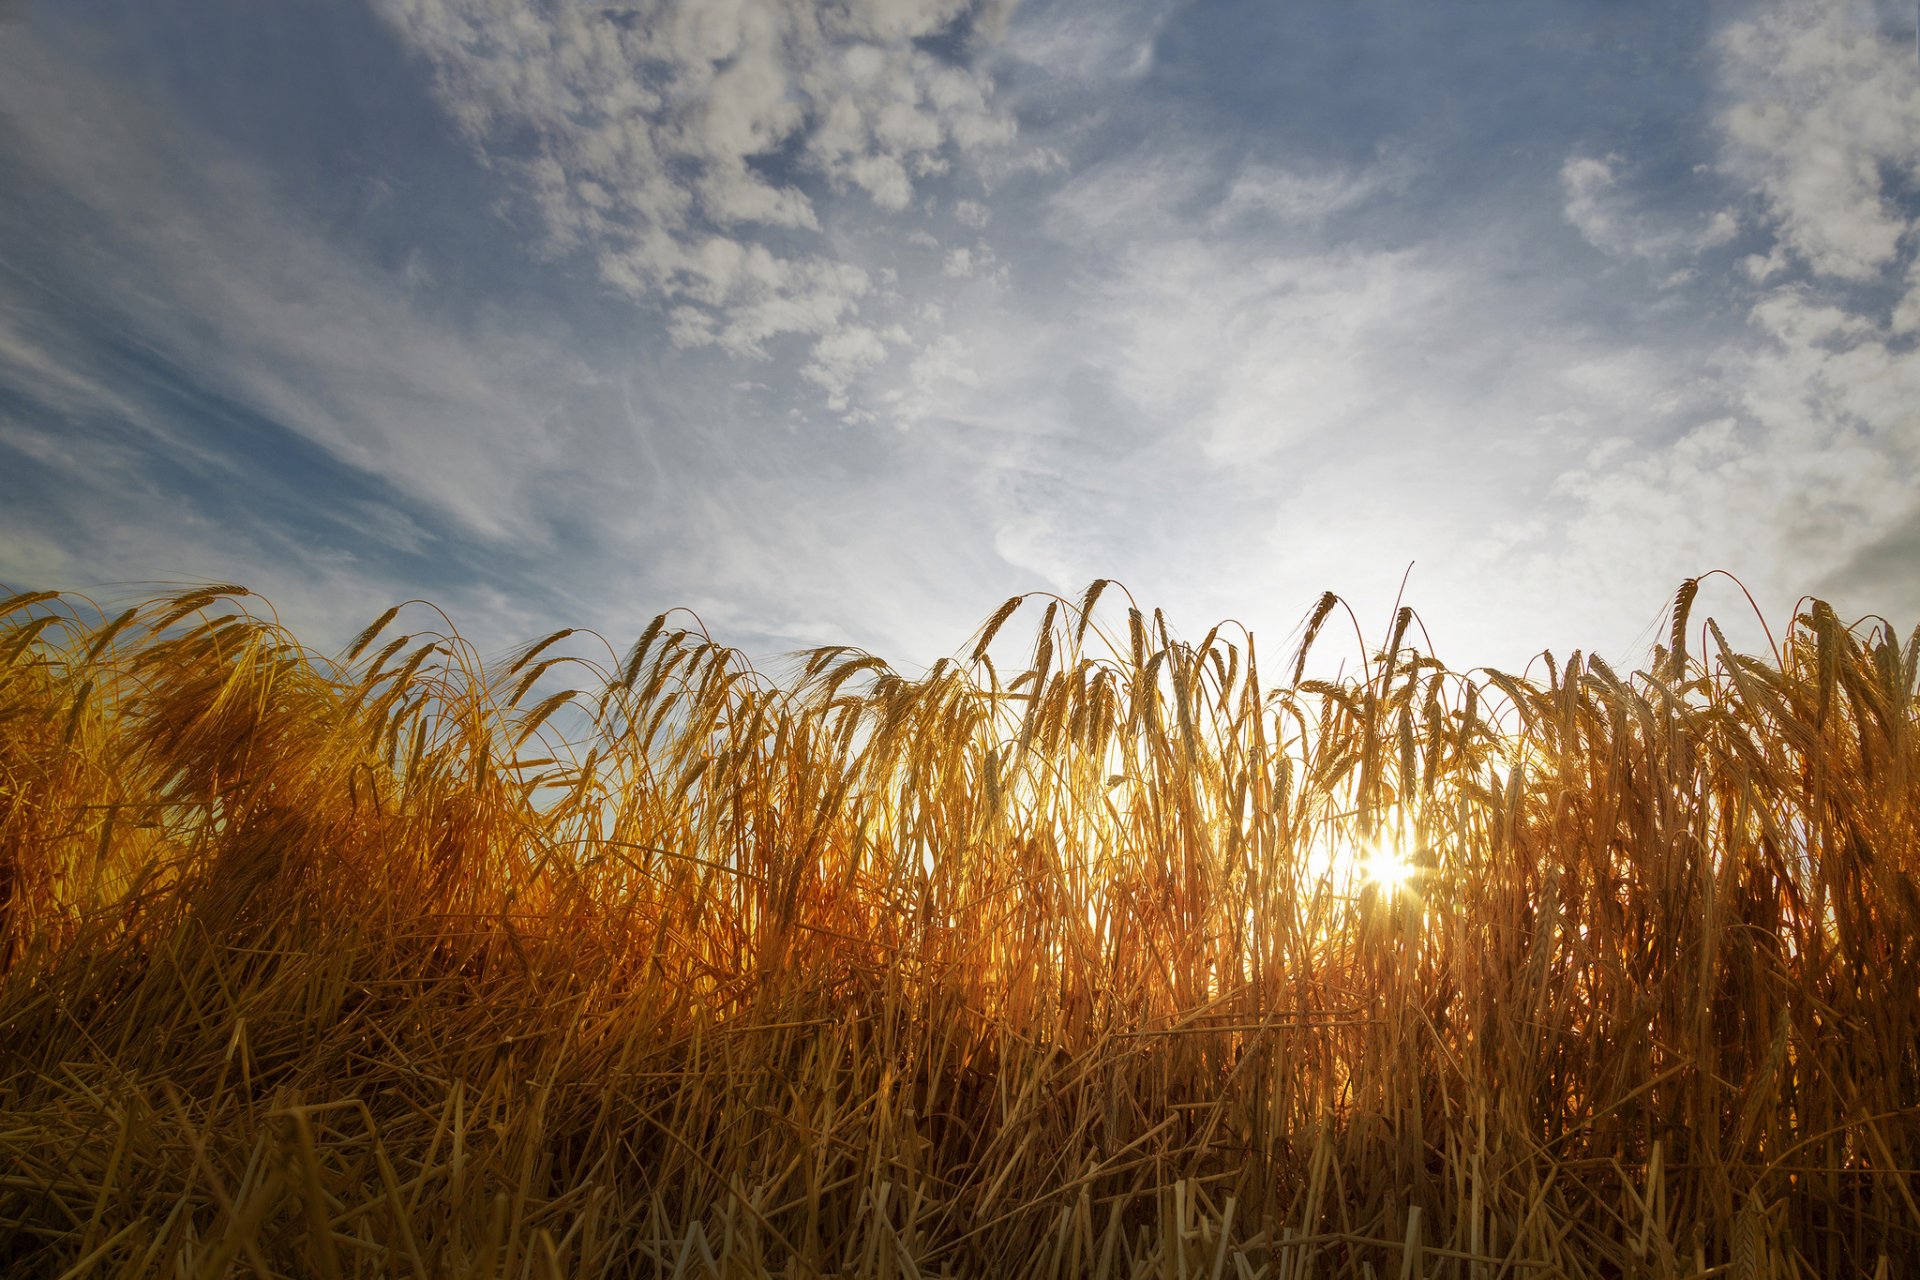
x: 1388, y: 868
x: 1348, y: 865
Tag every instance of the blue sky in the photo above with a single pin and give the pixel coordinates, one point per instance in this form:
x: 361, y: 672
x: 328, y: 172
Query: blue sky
x: 844, y: 322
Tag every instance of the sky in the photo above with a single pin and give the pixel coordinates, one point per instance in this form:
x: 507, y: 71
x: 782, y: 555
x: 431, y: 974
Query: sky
x: 842, y: 322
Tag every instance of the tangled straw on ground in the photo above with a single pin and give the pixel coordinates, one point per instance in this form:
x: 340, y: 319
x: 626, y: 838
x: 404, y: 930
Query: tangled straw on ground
x: 405, y: 964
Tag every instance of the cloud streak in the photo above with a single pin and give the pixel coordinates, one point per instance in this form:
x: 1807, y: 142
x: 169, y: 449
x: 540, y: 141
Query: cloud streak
x: 193, y: 255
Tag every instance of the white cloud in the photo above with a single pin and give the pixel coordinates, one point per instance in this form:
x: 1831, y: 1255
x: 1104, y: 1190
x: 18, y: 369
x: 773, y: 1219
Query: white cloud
x: 1232, y: 408
x: 972, y: 213
x: 660, y: 128
x: 1040, y: 543
x: 1807, y: 465
x: 1722, y: 228
x: 1823, y: 106
x: 1823, y: 118
x: 1305, y: 198
x: 1259, y: 335
x: 1588, y: 184
x: 841, y: 356
x: 1610, y: 219
x: 1146, y: 191
x: 1259, y: 351
x: 1091, y: 43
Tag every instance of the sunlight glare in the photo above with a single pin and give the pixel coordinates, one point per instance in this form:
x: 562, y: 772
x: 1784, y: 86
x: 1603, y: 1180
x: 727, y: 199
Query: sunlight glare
x: 1389, y: 869
x: 1349, y: 865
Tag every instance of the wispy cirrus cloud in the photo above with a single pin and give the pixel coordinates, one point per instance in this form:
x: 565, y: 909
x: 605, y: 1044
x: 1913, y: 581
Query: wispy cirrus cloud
x: 197, y: 259
x: 197, y: 380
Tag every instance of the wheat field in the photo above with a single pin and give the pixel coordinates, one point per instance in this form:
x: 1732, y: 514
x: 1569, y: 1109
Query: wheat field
x: 1089, y: 952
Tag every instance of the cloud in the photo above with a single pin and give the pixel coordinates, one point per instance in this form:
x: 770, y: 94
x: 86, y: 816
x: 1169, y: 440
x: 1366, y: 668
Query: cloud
x: 1823, y: 118
x: 58, y: 381
x: 843, y: 355
x: 1799, y: 478
x: 1409, y: 392
x: 1302, y: 197
x: 1228, y: 362
x: 207, y: 381
x: 1234, y: 404
x: 1593, y: 209
x: 197, y: 379
x: 1094, y: 44
x: 1887, y: 562
x: 1610, y: 219
x: 1259, y: 335
x: 196, y: 257
x: 1823, y: 107
x: 972, y: 213
x: 1260, y: 352
x: 694, y: 148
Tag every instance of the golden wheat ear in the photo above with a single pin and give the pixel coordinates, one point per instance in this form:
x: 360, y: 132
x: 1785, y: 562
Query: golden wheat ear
x: 1100, y: 962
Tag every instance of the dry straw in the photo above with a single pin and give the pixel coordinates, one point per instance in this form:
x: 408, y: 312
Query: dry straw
x: 405, y: 964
